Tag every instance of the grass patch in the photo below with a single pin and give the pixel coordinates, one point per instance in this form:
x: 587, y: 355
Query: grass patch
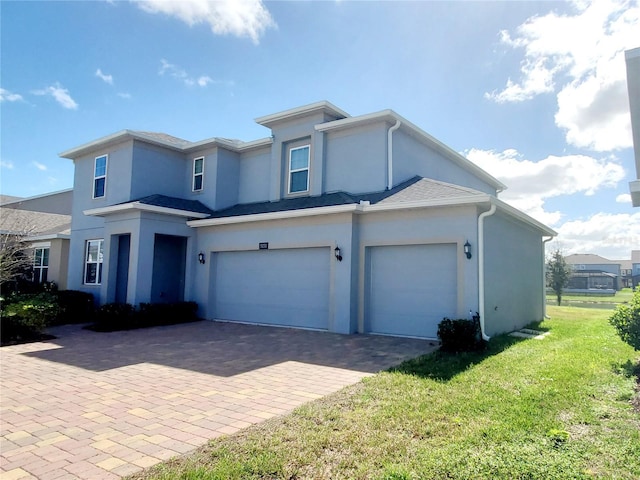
x: 554, y: 408
x: 621, y: 296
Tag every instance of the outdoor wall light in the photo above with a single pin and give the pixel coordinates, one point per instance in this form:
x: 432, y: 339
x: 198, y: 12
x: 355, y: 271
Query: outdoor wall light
x: 201, y: 258
x: 337, y: 252
x: 467, y: 249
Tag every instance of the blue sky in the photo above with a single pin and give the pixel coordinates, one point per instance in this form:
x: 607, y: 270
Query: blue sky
x: 534, y: 92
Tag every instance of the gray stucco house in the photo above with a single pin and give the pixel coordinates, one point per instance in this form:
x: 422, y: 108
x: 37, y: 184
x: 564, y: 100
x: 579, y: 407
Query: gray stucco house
x: 332, y: 222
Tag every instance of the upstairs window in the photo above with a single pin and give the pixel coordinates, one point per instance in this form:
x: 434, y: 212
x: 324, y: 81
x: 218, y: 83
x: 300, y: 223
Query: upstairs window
x: 299, y: 169
x: 93, y: 262
x: 40, y: 265
x: 99, y: 176
x: 198, y: 174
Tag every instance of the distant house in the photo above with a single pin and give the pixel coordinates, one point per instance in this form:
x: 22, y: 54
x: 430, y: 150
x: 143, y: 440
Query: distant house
x: 45, y: 220
x: 332, y: 222
x: 635, y: 268
x: 593, y: 272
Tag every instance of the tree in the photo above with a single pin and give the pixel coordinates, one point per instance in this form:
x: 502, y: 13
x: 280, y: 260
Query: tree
x: 15, y: 258
x: 626, y: 320
x: 558, y: 273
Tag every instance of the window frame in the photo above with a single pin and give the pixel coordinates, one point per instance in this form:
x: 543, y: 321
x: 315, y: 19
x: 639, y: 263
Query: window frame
x: 195, y: 175
x: 291, y: 171
x: 99, y: 261
x: 41, y: 268
x: 100, y: 177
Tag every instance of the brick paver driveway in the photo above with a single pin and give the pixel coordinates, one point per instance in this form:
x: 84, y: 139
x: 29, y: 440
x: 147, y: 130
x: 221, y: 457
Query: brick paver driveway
x: 103, y: 405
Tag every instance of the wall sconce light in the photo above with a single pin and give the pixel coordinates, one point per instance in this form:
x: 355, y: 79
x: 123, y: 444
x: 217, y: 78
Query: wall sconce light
x: 201, y: 258
x: 467, y: 249
x: 337, y: 253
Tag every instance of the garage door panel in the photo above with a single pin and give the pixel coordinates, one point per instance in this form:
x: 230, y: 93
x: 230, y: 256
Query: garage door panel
x: 412, y: 287
x: 287, y: 287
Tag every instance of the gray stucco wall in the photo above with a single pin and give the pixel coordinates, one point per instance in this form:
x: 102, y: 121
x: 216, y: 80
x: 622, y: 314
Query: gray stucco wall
x: 157, y: 170
x: 514, y: 259
x: 254, y: 176
x: 412, y: 157
x: 227, y: 173
x: 356, y: 159
x: 317, y: 231
x: 57, y: 202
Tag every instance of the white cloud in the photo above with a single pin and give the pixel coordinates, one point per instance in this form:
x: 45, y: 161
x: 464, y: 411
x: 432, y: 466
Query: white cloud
x: 623, y: 198
x: 40, y: 166
x: 584, y: 54
x: 103, y: 76
x: 612, y: 236
x: 531, y: 183
x: 124, y: 95
x: 242, y: 18
x: 179, y: 73
x: 5, y: 164
x: 60, y: 94
x: 7, y: 96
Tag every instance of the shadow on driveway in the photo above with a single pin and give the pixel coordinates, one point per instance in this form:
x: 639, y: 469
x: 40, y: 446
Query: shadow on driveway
x: 226, y: 349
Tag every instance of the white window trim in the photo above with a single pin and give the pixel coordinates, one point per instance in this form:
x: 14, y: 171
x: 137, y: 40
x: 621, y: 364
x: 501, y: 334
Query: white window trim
x: 41, y: 267
x: 193, y: 179
x: 86, y: 261
x: 106, y: 165
x: 290, y: 171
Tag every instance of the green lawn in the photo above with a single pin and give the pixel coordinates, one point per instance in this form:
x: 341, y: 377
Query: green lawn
x: 622, y: 296
x: 553, y: 408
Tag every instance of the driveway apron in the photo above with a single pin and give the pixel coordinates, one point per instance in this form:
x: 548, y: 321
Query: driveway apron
x: 95, y: 406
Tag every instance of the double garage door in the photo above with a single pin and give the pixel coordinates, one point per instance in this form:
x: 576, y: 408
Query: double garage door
x: 288, y: 287
x: 408, y: 290
x: 411, y: 288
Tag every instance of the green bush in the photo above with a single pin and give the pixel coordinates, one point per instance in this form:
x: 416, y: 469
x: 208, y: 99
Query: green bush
x: 75, y: 307
x: 25, y: 316
x: 626, y: 320
x: 123, y: 316
x: 460, y: 335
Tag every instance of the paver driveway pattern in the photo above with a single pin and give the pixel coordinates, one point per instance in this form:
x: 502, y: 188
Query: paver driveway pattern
x: 103, y: 405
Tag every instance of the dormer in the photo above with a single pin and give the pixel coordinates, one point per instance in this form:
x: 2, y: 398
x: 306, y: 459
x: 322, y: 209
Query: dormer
x: 298, y: 149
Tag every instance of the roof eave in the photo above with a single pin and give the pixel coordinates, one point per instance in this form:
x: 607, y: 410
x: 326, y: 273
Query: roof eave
x: 325, y: 106
x: 124, y: 207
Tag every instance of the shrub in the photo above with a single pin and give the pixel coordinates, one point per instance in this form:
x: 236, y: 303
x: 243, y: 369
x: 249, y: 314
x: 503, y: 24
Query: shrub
x: 460, y: 335
x: 25, y: 316
x: 123, y: 316
x: 115, y: 316
x: 626, y: 320
x: 75, y: 307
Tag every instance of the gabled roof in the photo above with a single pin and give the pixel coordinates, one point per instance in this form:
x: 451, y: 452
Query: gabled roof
x: 162, y: 140
x: 162, y: 204
x: 417, y: 192
x: 588, y: 259
x: 34, y: 224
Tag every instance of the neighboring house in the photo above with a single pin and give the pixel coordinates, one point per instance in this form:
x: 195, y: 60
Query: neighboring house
x: 339, y: 223
x: 635, y: 268
x: 626, y: 273
x: 45, y: 221
x: 593, y: 272
x: 632, y: 58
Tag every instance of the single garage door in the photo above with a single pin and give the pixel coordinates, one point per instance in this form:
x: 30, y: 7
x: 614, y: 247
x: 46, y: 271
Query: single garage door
x: 288, y: 287
x: 411, y: 288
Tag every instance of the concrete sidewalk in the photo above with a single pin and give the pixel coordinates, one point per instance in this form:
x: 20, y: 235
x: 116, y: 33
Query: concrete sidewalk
x: 103, y: 405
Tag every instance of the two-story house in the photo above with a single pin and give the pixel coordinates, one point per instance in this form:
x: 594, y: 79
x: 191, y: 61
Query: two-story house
x: 332, y: 222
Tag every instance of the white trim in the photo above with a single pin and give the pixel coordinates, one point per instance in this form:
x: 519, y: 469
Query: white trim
x: 290, y: 171
x: 50, y: 236
x: 123, y: 207
x: 201, y: 174
x: 98, y: 262
x: 365, y: 207
x: 260, y: 217
x: 98, y: 177
x: 323, y: 106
